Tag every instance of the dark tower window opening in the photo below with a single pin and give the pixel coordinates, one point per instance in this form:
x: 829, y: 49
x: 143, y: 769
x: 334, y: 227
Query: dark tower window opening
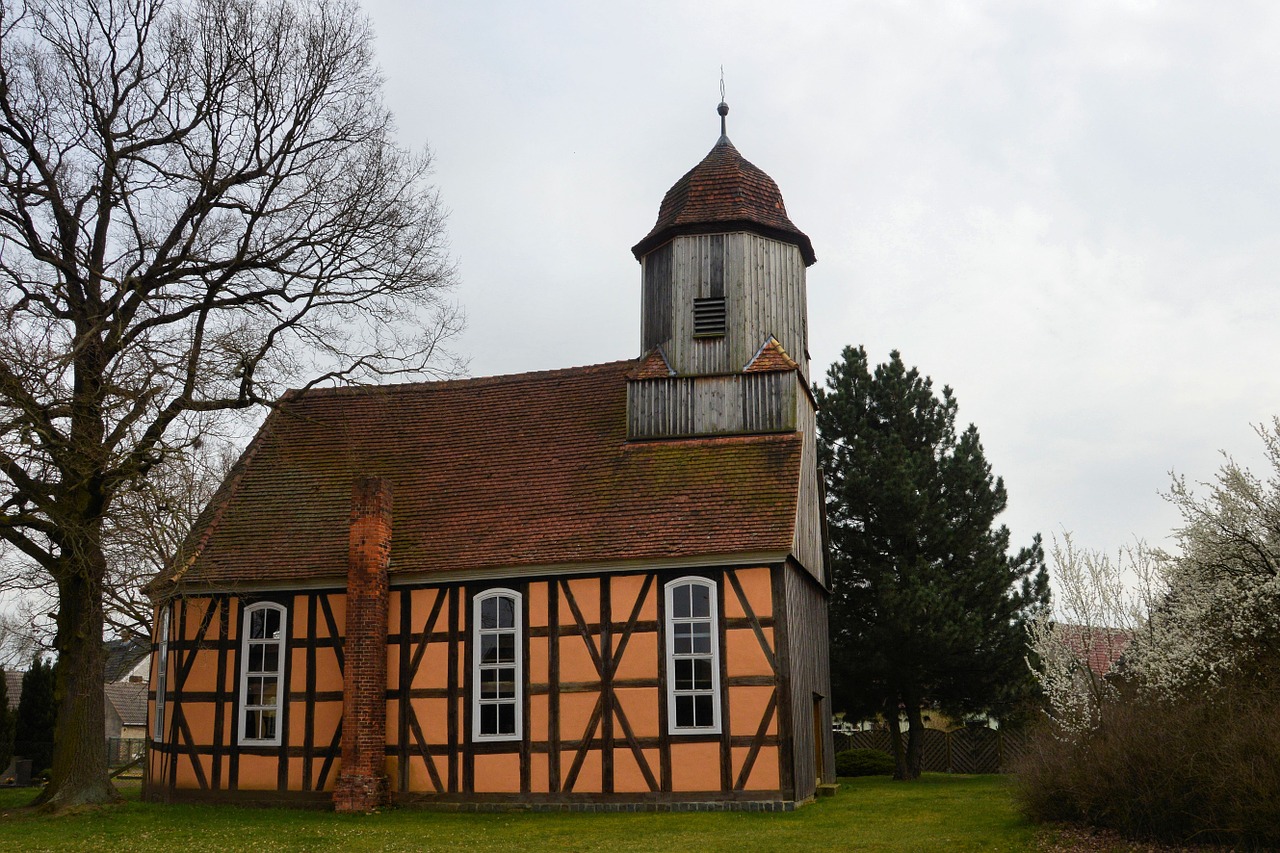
x: 709, y: 318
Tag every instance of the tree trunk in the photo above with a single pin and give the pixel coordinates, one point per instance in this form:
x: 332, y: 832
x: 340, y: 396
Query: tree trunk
x: 915, y: 738
x: 901, y: 771
x: 79, y: 774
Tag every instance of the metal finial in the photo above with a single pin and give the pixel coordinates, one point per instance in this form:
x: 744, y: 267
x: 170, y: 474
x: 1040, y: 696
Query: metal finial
x: 723, y: 109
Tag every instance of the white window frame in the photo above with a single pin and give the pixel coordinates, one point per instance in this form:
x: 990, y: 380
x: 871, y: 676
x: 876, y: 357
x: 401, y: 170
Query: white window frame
x: 279, y: 642
x: 162, y: 673
x: 671, y: 621
x: 477, y: 666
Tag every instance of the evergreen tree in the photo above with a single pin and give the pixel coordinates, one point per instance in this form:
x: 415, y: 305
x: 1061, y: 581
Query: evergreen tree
x: 6, y: 723
x: 37, y: 714
x: 927, y: 605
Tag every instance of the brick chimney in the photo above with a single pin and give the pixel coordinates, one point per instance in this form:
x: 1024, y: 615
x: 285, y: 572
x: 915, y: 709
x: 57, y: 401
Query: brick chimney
x: 362, y: 784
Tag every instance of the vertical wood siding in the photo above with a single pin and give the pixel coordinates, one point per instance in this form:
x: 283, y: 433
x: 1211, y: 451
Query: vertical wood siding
x: 712, y: 405
x: 808, y: 545
x: 762, y: 281
x: 809, y: 673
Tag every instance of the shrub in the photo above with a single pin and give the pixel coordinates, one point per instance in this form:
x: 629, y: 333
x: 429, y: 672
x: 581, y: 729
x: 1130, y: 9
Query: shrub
x: 1201, y: 770
x: 864, y: 762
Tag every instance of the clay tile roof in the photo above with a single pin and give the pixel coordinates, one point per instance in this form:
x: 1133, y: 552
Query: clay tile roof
x: 507, y: 472
x: 129, y: 698
x: 771, y: 357
x: 724, y: 192
x: 654, y: 365
x: 1100, y: 648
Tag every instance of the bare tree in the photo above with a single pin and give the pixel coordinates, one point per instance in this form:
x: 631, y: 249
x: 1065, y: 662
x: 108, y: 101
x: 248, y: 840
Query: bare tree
x: 201, y: 202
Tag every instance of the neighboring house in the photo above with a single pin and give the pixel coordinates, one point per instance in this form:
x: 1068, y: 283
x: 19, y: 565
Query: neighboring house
x: 127, y: 660
x: 600, y: 586
x: 1100, y: 648
x: 126, y: 709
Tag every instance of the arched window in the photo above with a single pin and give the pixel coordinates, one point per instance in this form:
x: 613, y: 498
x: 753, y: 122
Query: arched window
x: 693, y: 657
x: 262, y: 674
x: 497, y: 666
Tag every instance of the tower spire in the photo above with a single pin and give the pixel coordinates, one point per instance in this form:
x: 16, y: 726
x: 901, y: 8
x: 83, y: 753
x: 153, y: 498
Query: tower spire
x: 723, y: 108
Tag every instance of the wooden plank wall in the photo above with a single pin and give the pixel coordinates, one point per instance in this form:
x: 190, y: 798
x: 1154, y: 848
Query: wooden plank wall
x: 810, y: 677
x: 808, y: 545
x: 741, y: 403
x: 762, y: 281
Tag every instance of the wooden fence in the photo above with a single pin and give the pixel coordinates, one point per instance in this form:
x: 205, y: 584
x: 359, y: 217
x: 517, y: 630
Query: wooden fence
x: 968, y: 750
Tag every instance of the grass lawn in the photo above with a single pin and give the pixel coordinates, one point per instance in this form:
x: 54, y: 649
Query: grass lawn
x: 937, y: 813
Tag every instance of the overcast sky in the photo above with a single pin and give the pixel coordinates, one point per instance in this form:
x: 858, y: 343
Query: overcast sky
x: 1068, y: 212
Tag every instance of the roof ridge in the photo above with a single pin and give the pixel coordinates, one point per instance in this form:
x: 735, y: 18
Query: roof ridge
x: 461, y: 382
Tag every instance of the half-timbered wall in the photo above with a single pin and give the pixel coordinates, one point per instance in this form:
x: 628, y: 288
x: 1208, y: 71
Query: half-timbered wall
x: 762, y: 282
x: 594, y: 722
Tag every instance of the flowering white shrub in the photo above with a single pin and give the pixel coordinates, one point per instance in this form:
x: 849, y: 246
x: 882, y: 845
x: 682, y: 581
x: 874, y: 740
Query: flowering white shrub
x: 1207, y: 612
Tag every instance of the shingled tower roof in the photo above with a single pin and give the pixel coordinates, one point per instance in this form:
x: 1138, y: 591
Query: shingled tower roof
x: 724, y: 192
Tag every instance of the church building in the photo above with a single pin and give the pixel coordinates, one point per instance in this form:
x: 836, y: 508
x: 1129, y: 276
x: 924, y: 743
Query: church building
x: 599, y: 587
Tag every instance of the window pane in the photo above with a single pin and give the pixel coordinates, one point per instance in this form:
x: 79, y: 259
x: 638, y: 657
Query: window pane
x: 268, y: 724
x: 251, y: 724
x: 254, y: 696
x: 488, y: 648
x: 701, y: 673
x: 507, y: 648
x: 683, y: 641
x: 684, y: 674
x: 702, y: 709
x: 701, y: 600
x: 680, y: 601
x: 488, y: 684
x: 488, y: 719
x: 255, y: 657
x: 684, y: 711
x: 702, y: 638
x: 506, y: 682
x: 489, y: 613
x: 273, y: 623
x: 506, y: 612
x: 256, y: 631
x: 269, y: 688
x: 507, y: 718
x: 271, y: 658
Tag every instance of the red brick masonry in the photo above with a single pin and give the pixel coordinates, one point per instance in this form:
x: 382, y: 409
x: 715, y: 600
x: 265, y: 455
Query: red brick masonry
x: 362, y: 785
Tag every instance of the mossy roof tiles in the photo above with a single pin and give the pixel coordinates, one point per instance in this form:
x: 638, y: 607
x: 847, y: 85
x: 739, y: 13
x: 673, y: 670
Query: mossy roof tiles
x: 508, y: 472
x: 724, y: 192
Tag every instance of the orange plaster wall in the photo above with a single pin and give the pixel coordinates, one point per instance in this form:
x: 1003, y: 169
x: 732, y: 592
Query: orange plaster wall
x: 748, y: 705
x: 586, y: 592
x: 743, y: 655
x: 758, y: 587
x: 764, y: 772
x: 576, y: 663
x: 498, y: 773
x: 186, y: 770
x: 623, y: 592
x: 327, y: 717
x: 432, y: 716
x: 539, y: 717
x: 433, y: 671
x: 539, y: 670
x: 695, y: 766
x: 589, y: 779
x: 195, y: 609
x: 537, y: 599
x: 575, y: 713
x: 420, y: 777
x: 539, y: 773
x: 258, y: 772
x: 393, y: 724
x: 338, y: 604
x: 627, y: 777
x: 640, y: 704
x: 640, y: 657
x: 295, y: 773
x: 200, y: 718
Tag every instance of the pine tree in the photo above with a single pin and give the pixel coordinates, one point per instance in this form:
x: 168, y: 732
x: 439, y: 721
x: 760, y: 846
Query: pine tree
x: 927, y: 605
x: 37, y: 714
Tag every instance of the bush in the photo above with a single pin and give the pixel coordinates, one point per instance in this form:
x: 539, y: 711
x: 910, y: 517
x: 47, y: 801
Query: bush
x: 864, y: 762
x: 1202, y: 770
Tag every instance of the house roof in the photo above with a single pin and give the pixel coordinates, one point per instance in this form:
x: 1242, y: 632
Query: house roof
x: 129, y: 698
x: 507, y: 472
x: 123, y: 655
x: 724, y: 192
x: 1101, y: 648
